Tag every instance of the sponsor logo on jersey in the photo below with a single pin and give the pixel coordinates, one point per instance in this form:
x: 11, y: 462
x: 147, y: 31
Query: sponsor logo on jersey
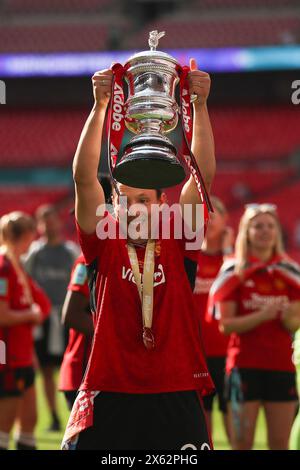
x: 159, y: 275
x: 258, y: 301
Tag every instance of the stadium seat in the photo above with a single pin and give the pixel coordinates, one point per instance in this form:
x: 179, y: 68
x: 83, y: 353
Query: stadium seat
x: 30, y: 137
x: 222, y: 32
x: 55, y: 6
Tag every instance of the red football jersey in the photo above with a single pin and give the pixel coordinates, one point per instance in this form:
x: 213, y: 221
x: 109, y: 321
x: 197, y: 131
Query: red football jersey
x: 215, y: 343
x: 79, y: 346
x: 18, y: 339
x: 119, y: 361
x: 268, y: 346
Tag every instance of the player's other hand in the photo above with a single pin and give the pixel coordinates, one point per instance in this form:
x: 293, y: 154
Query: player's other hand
x: 270, y: 312
x: 199, y: 83
x: 36, y: 314
x: 102, y: 81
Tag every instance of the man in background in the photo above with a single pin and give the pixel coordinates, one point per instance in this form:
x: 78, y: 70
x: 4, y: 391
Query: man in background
x: 50, y: 262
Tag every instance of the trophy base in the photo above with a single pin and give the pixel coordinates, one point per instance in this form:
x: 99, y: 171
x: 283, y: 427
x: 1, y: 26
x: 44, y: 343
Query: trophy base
x: 149, y: 163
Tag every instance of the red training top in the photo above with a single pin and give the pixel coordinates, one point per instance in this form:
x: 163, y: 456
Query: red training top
x: 269, y: 345
x: 119, y: 361
x: 215, y: 343
x: 79, y: 346
x: 18, y: 339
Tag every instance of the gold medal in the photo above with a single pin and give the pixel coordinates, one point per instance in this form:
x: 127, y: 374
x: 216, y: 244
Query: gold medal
x: 148, y: 338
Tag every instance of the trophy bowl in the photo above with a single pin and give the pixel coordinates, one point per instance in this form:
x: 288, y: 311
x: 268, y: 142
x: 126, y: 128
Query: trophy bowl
x: 150, y: 159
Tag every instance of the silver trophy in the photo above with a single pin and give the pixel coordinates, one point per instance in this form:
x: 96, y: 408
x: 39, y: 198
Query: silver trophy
x: 151, y: 111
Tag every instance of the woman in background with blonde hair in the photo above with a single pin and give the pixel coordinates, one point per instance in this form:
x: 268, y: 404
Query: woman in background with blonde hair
x: 217, y: 245
x: 258, y: 297
x: 22, y: 305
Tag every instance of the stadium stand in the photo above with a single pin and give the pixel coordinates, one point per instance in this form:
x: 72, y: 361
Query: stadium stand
x: 63, y: 37
x: 28, y: 199
x: 55, y: 6
x: 244, y: 4
x: 239, y: 31
x: 264, y: 133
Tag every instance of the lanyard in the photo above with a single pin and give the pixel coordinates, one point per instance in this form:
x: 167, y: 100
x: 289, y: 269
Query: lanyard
x: 145, y: 288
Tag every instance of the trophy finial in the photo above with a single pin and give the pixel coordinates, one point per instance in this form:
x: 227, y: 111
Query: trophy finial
x: 154, y: 37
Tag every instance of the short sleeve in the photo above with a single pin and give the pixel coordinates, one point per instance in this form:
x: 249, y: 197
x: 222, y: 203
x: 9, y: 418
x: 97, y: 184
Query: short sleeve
x: 94, y: 244
x: 90, y: 244
x: 294, y: 294
x: 4, y: 281
x: 233, y: 296
x: 4, y: 287
x: 190, y: 241
x: 79, y: 281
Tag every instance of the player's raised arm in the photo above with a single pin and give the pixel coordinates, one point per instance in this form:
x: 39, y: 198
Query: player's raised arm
x: 88, y: 191
x: 203, y: 146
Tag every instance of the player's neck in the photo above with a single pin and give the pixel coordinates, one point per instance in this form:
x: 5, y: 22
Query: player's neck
x: 53, y: 240
x: 262, y: 255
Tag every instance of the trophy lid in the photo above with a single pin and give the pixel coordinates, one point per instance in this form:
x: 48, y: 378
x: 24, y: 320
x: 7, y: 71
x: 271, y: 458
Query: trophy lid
x: 152, y: 54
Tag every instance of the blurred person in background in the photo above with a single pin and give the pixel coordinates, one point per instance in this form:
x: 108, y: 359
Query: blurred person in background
x: 49, y: 262
x: 76, y: 315
x: 22, y: 305
x: 258, y: 294
x: 217, y: 244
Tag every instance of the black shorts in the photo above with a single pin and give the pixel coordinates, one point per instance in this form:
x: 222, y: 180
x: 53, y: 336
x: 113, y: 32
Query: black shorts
x: 162, y: 421
x: 42, y: 350
x: 261, y: 385
x: 216, y: 368
x: 70, y: 397
x: 13, y: 382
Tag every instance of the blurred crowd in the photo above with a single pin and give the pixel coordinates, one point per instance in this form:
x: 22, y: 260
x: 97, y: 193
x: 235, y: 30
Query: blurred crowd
x: 247, y: 299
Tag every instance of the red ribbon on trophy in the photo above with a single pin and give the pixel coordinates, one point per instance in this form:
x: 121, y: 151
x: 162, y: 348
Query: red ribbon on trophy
x: 115, y: 119
x: 186, y: 117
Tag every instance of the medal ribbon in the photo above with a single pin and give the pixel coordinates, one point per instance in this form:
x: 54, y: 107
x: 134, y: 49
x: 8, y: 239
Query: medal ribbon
x: 145, y: 286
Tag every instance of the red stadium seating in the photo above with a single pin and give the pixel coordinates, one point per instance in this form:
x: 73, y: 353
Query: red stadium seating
x: 219, y: 4
x: 49, y: 137
x: 239, y: 31
x: 55, y: 6
x: 66, y: 37
x: 257, y: 132
x: 39, y: 137
x: 28, y: 199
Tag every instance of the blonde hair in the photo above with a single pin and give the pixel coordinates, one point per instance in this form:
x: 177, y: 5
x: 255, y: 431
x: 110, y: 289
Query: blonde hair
x: 12, y: 227
x: 242, y: 240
